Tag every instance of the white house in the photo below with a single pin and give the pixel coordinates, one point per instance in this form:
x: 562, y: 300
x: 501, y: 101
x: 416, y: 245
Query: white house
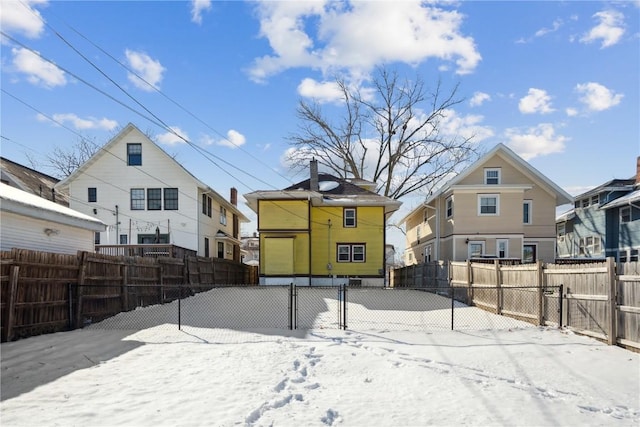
x: 145, y: 196
x: 31, y: 222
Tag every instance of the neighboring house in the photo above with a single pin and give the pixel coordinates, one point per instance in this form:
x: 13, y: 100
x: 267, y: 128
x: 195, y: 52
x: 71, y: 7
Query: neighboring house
x: 145, y: 196
x: 31, y: 181
x: 605, y: 222
x: 322, y: 231
x: 500, y: 206
x: 250, y: 249
x: 31, y: 222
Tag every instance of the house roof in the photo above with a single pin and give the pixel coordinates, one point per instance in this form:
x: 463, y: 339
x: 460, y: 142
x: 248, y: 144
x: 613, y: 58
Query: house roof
x: 31, y: 181
x: 332, y: 191
x: 64, y: 184
x: 613, y: 185
x: 562, y: 197
x: 627, y: 199
x: 23, y: 203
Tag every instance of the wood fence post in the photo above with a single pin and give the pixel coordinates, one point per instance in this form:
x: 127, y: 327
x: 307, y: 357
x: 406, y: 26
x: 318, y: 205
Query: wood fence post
x: 160, y: 281
x: 612, y: 290
x: 11, y: 300
x: 539, y: 285
x: 469, y: 283
x: 496, y: 263
x: 124, y: 289
x: 81, y: 275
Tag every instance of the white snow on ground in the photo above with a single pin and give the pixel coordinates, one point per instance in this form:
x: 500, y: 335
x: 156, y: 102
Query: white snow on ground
x: 402, y: 371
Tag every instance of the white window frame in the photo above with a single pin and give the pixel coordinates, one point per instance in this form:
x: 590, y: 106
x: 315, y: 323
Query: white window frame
x: 497, y: 178
x: 529, y: 204
x: 428, y: 253
x: 418, y: 232
x: 449, y: 206
x: 223, y: 215
x: 346, y: 252
x: 349, y: 221
x: 488, y: 196
x: 506, y: 248
x: 473, y: 243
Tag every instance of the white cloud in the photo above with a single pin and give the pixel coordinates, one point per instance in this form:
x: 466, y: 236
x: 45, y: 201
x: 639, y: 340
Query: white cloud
x: 146, y: 67
x: 536, y: 141
x: 39, y: 72
x: 22, y: 17
x: 413, y: 32
x: 609, y: 30
x: 479, y: 98
x: 597, y: 97
x: 536, y: 101
x: 80, y: 123
x: 468, y: 126
x: 323, y: 92
x: 170, y: 138
x: 197, y: 7
x: 571, y: 112
x: 544, y: 31
x: 234, y: 139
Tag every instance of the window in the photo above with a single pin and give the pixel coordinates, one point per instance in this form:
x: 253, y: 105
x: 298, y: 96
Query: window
x: 502, y: 248
x: 492, y: 176
x: 137, y: 199
x: 170, y: 199
x: 584, y: 203
x: 134, y: 154
x: 96, y: 238
x: 223, y: 215
x: 220, y: 250
x: 561, y: 231
x: 633, y: 255
x: 206, y: 205
x: 488, y: 204
x: 418, y: 233
x: 154, y: 199
x: 124, y: 239
x: 589, y: 246
x: 595, y: 199
x: 351, y: 252
x: 529, y: 253
x: 93, y: 194
x: 476, y: 249
x: 625, y: 214
x: 428, y: 253
x: 206, y: 247
x: 526, y: 212
x: 349, y: 217
x: 449, y: 206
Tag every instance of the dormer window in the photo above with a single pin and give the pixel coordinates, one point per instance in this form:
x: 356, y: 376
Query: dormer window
x: 492, y: 176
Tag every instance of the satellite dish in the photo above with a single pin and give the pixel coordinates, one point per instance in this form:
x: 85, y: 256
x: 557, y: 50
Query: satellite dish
x: 327, y: 185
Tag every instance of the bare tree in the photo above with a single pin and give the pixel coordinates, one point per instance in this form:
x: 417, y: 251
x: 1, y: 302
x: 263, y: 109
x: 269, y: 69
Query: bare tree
x: 390, y: 133
x: 65, y: 161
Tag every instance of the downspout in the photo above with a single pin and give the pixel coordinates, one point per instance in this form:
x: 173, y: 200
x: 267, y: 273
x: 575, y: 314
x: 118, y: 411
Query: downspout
x: 437, y: 248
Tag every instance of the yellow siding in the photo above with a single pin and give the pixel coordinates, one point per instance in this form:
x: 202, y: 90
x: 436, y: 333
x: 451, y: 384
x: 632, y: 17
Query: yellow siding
x: 279, y: 256
x: 369, y: 230
x: 272, y: 250
x: 283, y: 215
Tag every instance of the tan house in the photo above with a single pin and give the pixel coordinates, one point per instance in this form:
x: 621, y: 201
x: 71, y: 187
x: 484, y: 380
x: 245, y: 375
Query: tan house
x: 499, y: 207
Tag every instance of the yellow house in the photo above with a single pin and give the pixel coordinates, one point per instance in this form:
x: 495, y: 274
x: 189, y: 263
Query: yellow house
x: 322, y: 231
x: 499, y: 207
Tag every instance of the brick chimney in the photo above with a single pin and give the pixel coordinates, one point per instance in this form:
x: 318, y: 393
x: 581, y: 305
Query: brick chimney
x: 233, y: 198
x: 313, y: 182
x: 638, y: 171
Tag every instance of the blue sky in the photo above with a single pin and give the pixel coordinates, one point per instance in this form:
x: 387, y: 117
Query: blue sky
x: 558, y: 82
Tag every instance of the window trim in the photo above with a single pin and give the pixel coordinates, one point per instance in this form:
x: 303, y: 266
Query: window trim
x: 170, y: 199
x: 223, y: 215
x: 92, y: 195
x: 158, y: 200
x: 489, y: 196
x: 448, y: 204
x: 346, y: 220
x: 506, y: 248
x: 142, y: 200
x: 528, y: 203
x: 498, y: 178
x: 350, y: 252
x: 132, y: 154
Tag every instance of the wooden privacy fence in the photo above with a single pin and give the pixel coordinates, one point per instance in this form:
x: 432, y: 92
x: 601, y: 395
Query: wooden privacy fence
x: 599, y: 299
x: 42, y: 292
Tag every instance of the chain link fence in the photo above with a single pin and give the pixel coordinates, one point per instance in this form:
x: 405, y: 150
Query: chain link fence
x: 356, y: 308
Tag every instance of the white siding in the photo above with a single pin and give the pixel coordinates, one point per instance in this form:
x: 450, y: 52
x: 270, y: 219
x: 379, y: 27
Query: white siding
x: 28, y: 233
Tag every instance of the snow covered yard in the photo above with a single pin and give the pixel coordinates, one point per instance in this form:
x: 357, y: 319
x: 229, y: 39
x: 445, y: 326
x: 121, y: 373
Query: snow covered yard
x: 386, y: 374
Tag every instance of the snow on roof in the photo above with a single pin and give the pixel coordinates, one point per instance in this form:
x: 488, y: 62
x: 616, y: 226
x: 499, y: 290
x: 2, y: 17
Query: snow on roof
x: 16, y: 197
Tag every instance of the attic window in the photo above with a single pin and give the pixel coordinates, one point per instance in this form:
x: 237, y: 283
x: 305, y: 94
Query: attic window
x: 134, y: 154
x: 492, y: 176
